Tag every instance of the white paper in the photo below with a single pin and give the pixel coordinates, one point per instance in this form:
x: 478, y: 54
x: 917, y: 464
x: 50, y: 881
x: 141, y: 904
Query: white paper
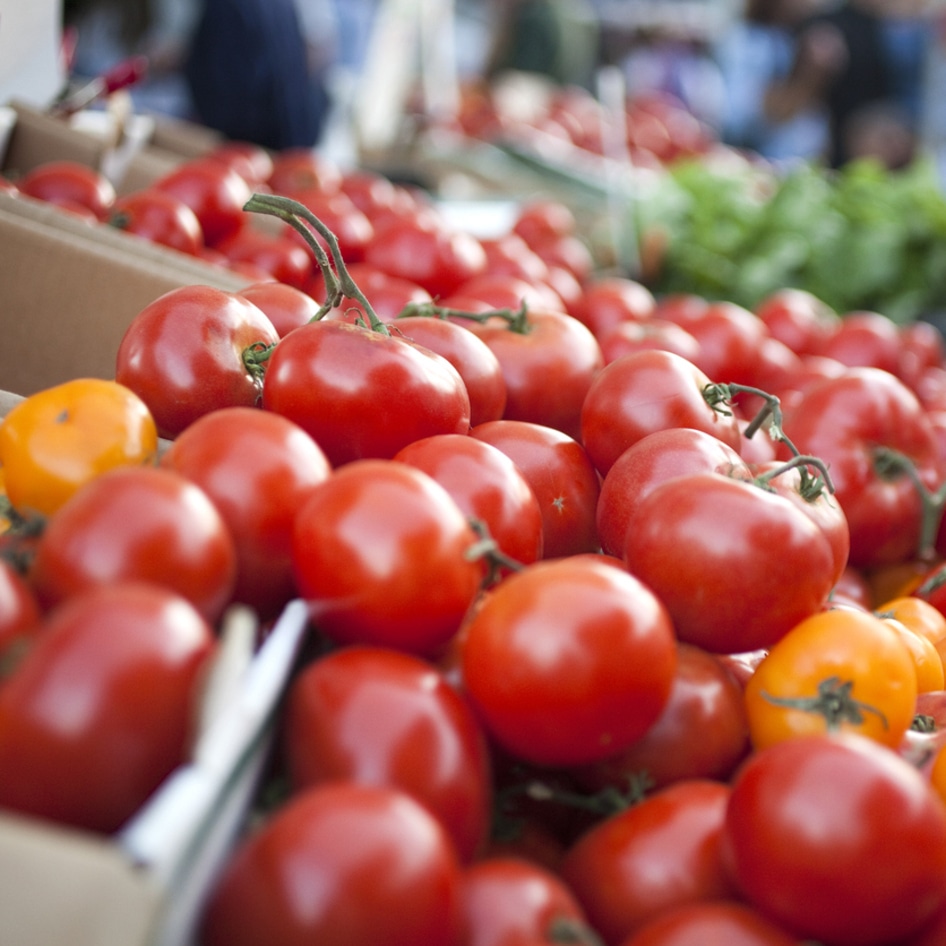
x: 31, y: 67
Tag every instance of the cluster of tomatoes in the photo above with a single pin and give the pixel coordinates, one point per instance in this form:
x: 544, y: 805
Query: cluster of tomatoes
x: 625, y: 611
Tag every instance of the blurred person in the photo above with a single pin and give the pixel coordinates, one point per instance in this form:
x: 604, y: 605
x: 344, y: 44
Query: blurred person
x: 842, y: 62
x: 756, y: 51
x: 248, y: 70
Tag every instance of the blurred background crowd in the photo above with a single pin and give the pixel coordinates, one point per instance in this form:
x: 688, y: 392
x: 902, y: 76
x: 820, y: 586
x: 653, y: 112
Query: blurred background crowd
x: 789, y: 79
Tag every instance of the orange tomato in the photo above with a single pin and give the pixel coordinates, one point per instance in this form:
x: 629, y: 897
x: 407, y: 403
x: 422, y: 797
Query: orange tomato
x: 894, y: 581
x: 842, y: 670
x: 930, y: 675
x: 56, y: 440
x: 919, y: 616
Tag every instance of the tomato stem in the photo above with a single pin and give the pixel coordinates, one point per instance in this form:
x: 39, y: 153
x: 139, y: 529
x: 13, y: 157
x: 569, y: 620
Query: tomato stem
x: 338, y: 282
x: 834, y: 702
x: 486, y: 548
x: 567, y: 930
x: 811, y: 487
x: 516, y: 319
x: 889, y: 464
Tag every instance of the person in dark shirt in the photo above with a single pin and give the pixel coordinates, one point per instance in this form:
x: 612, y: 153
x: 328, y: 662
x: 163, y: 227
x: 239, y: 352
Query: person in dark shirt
x: 842, y: 61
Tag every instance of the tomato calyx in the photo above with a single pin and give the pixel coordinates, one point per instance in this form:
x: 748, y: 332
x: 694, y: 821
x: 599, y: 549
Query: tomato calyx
x: 568, y: 930
x: 810, y: 487
x: 20, y: 535
x: 890, y: 464
x: 338, y: 280
x: 923, y: 723
x: 487, y: 550
x: 834, y: 703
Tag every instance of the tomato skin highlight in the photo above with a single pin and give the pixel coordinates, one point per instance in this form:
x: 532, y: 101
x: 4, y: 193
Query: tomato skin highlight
x: 588, y: 658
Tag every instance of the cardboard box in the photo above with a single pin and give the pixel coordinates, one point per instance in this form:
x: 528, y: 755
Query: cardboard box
x: 68, y: 291
x: 147, y: 885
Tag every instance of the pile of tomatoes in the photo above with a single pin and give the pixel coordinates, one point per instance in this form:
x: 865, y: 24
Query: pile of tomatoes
x: 627, y: 620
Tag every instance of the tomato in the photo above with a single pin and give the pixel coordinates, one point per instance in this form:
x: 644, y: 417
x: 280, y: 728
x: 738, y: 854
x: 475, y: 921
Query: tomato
x: 301, y: 169
x: 918, y: 615
x: 545, y: 344
x: 660, y: 853
x: 568, y: 661
x: 859, y: 424
x: 921, y: 349
x: 926, y: 660
x: 158, y: 217
x: 716, y: 549
x: 487, y: 486
x: 626, y: 337
x: 56, y: 440
x: 505, y: 291
x: 252, y: 161
x: 101, y: 707
x: 654, y: 458
x: 509, y: 255
x: 380, y: 717
x: 352, y: 229
x: 183, y: 354
x: 19, y: 614
x: 383, y: 869
x: 702, y: 731
x: 285, y: 306
x: 143, y: 523
x: 213, y: 190
x: 864, y: 339
x: 542, y: 219
x: 380, y: 554
x: 69, y: 183
x: 363, y: 394
x: 279, y: 256
x: 508, y: 900
x: 732, y: 923
x: 643, y: 392
x: 257, y: 468
x: 426, y: 251
x: 561, y: 476
x: 798, y: 318
x: 569, y: 252
x: 838, y: 671
x: 389, y: 295
x: 474, y: 360
x: 838, y: 839
x: 609, y: 301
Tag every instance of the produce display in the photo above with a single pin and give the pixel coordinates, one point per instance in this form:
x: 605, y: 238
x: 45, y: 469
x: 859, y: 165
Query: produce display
x: 625, y: 597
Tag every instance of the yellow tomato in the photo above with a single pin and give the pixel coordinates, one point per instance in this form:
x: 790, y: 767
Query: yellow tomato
x: 58, y: 439
x: 842, y: 670
x: 926, y: 660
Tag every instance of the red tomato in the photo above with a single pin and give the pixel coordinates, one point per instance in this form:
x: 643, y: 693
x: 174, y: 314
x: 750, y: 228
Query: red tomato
x: 69, y: 183
x: 137, y: 523
x: 285, y: 306
x: 159, y: 218
x: 508, y: 901
x: 474, y: 360
x: 732, y: 924
x: 360, y: 393
x: 351, y: 228
x: 838, y: 839
x: 388, y: 295
x: 183, y: 354
x: 660, y: 853
x: 425, y: 251
x: 258, y: 468
x: 101, y: 708
x: 510, y: 255
x: 504, y: 291
x: 864, y: 339
x: 568, y: 661
x: 562, y: 477
x: 340, y: 864
x: 542, y: 219
x: 279, y: 256
x: 656, y: 457
x: 921, y: 349
x: 798, y: 318
x: 301, y: 169
x: 644, y: 392
x: 852, y: 423
x: 716, y: 550
x: 380, y: 554
x: 213, y: 190
x: 609, y: 301
x: 252, y: 161
x: 487, y: 486
x: 702, y: 731
x: 629, y: 336
x: 548, y: 344
x: 379, y: 717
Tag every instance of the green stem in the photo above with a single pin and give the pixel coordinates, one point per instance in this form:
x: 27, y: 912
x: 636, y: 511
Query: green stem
x: 486, y: 548
x: 516, y: 319
x: 338, y: 282
x: 719, y: 396
x: 810, y: 487
x: 833, y: 702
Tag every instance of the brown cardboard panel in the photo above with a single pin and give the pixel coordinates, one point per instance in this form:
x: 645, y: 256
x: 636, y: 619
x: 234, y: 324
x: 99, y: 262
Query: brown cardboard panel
x: 182, y: 138
x: 69, y: 290
x: 60, y: 886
